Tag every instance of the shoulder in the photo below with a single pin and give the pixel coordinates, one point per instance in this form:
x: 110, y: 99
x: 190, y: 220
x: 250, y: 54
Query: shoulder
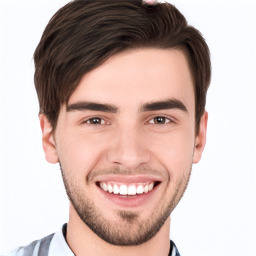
x: 36, y: 248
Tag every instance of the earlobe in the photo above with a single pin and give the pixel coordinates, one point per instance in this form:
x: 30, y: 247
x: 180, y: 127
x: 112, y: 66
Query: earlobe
x: 48, y: 141
x: 200, y: 138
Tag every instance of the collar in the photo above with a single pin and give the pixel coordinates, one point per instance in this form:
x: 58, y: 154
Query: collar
x: 59, y: 246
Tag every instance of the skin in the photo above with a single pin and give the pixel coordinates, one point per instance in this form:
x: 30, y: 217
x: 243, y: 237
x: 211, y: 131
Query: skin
x: 132, y: 141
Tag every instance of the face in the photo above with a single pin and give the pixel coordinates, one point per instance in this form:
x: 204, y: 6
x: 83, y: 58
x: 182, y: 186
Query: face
x: 126, y: 143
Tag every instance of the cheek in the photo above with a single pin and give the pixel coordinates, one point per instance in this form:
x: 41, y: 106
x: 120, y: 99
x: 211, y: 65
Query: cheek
x: 79, y: 153
x: 175, y: 152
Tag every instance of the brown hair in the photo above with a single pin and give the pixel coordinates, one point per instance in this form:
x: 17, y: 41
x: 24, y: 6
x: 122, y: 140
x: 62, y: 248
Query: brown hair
x: 83, y: 34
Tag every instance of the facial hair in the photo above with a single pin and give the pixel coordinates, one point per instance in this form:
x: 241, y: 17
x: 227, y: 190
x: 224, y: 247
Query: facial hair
x: 132, y: 230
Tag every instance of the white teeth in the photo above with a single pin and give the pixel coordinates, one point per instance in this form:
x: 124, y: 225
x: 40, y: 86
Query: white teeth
x: 140, y: 189
x: 146, y: 189
x: 150, y: 186
x: 132, y: 190
x: 104, y: 186
x: 115, y: 189
x: 110, y: 189
x: 123, y: 190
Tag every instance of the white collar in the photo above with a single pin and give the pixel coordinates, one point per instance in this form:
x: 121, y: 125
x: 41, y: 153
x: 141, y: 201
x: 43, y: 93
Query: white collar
x: 59, y: 246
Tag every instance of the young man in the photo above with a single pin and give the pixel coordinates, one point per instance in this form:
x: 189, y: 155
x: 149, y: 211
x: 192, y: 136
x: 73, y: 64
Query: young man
x: 122, y: 88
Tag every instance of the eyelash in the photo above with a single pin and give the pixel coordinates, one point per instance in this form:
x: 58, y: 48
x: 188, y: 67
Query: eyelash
x: 151, y: 121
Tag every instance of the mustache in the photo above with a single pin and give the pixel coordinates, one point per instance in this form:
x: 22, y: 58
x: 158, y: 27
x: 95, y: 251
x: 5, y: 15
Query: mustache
x: 143, y: 170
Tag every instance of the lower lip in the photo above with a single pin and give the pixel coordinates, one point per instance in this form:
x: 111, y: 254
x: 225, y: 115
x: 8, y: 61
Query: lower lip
x: 129, y: 201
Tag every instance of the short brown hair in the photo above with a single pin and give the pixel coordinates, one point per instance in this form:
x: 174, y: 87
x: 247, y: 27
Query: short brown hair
x: 83, y: 34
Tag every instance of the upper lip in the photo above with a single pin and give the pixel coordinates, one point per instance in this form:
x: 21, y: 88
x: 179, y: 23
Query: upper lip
x: 128, y: 178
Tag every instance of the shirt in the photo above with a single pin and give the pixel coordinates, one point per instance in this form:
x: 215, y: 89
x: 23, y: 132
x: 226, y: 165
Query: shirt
x: 56, y: 245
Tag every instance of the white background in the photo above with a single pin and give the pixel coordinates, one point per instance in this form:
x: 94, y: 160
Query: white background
x: 217, y: 214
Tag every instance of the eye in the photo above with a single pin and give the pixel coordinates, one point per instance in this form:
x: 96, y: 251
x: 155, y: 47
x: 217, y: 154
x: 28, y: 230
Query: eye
x: 96, y: 121
x: 159, y: 120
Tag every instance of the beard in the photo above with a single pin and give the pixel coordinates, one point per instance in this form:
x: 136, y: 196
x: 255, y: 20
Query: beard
x: 130, y: 229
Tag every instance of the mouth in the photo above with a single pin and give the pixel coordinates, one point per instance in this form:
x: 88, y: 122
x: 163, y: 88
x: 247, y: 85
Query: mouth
x: 127, y: 189
x: 128, y: 193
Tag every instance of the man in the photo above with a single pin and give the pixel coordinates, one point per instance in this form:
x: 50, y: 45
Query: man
x: 122, y: 88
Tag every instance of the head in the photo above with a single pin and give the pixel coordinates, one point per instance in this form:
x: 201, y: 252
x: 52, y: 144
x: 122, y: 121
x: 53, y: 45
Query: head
x: 122, y: 90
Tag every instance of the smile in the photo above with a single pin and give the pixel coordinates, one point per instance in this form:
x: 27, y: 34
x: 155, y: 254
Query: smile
x: 127, y: 189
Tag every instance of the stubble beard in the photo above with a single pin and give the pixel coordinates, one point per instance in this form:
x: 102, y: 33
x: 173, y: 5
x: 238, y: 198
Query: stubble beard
x: 131, y: 230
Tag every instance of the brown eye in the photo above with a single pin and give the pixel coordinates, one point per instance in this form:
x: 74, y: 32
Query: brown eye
x: 159, y: 120
x: 95, y: 121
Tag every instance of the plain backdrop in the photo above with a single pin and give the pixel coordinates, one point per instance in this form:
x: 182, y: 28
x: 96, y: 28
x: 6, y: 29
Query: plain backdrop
x: 217, y: 214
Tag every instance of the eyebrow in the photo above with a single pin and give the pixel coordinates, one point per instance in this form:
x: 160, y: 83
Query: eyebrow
x: 152, y: 106
x: 165, y: 104
x: 80, y: 106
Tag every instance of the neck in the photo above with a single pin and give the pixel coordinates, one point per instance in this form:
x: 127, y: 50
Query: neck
x: 83, y: 241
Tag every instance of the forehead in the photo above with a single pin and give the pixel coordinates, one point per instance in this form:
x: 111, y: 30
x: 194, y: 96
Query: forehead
x: 135, y: 77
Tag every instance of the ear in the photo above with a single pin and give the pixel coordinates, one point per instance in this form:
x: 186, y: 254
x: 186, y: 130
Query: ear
x: 48, y: 141
x: 200, y: 138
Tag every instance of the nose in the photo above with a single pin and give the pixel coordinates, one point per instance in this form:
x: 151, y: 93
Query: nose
x: 128, y: 148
